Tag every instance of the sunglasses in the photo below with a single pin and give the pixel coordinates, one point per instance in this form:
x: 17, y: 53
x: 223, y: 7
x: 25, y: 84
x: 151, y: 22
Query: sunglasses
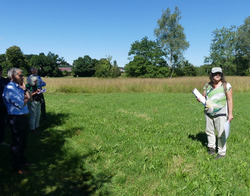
x: 217, y: 73
x: 20, y: 75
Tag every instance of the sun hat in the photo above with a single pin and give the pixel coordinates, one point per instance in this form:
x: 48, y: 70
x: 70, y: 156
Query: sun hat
x: 216, y: 70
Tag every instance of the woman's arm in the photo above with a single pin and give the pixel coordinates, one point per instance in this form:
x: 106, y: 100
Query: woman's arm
x: 204, y: 93
x: 230, y: 104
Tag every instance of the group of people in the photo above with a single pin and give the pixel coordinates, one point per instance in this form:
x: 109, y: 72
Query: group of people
x: 20, y: 108
x: 21, y: 105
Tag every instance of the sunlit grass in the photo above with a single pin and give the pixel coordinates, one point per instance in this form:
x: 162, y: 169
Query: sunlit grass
x: 107, y: 140
x: 153, y: 143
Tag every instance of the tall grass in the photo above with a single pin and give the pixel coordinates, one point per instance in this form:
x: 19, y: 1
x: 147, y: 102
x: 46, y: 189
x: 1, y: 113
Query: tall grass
x: 141, y: 85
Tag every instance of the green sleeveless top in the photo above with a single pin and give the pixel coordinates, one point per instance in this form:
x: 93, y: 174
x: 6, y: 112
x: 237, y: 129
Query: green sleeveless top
x: 216, y: 103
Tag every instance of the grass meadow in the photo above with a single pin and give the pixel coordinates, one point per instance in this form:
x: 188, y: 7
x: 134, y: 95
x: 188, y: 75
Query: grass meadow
x: 131, y: 137
x: 138, y: 85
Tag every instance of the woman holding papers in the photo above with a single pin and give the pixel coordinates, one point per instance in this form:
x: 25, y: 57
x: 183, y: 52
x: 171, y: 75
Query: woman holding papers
x: 218, y: 110
x: 35, y: 105
x: 40, y: 84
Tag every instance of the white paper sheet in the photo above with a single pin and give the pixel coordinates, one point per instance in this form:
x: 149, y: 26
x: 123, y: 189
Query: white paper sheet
x: 227, y: 128
x: 199, y: 96
x: 42, y: 91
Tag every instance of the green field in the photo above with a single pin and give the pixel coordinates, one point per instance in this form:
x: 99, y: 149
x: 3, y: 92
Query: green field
x: 130, y: 144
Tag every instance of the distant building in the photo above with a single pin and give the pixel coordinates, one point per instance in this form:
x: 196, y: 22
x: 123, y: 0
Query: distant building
x: 67, y: 69
x: 122, y: 70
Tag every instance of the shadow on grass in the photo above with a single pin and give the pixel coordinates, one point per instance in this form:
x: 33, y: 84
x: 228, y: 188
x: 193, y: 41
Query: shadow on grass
x: 201, y: 137
x: 53, y: 172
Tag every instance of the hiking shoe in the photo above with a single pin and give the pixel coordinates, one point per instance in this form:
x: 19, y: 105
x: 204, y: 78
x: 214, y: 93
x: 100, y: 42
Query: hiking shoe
x: 211, y: 151
x: 219, y: 156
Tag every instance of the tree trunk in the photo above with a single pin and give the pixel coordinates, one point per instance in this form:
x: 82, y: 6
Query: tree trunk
x: 170, y: 64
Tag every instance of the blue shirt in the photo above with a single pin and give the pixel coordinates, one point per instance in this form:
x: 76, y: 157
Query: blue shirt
x: 40, y: 82
x: 13, y: 97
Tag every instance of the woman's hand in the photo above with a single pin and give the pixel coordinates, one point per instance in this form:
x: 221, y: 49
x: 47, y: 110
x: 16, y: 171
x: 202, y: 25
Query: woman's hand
x: 22, y: 86
x: 198, y: 99
x: 37, y: 91
x: 230, y: 118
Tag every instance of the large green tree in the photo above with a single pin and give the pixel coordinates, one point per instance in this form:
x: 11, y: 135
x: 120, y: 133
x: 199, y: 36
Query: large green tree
x: 137, y: 67
x: 142, y: 67
x: 47, y: 65
x: 2, y: 58
x: 243, y: 48
x: 147, y: 60
x: 104, y: 68
x: 148, y: 49
x: 15, y: 58
x: 40, y: 62
x: 171, y: 35
x: 222, y: 50
x: 84, y: 67
x: 115, y: 71
x: 4, y: 63
x: 184, y: 68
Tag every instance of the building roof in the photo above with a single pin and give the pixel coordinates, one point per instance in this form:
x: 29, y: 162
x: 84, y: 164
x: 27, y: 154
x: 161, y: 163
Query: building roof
x: 68, y: 69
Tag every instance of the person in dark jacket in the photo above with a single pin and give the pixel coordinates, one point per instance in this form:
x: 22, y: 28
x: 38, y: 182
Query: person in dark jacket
x: 3, y: 110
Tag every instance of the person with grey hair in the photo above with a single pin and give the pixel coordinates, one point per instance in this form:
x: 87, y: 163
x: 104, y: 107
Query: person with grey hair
x: 3, y: 110
x: 10, y: 72
x: 15, y: 99
x: 35, y: 104
x: 40, y: 84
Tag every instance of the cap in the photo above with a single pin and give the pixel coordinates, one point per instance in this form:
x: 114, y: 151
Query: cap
x: 216, y: 70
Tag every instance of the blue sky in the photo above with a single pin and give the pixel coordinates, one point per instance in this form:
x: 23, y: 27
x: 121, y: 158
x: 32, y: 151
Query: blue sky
x: 98, y: 28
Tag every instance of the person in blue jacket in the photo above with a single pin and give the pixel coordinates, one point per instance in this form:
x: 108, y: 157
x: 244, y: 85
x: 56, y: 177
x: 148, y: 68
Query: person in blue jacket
x: 15, y: 98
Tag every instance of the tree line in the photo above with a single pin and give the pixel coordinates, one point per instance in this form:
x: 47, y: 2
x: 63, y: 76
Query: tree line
x: 158, y: 58
x: 48, y: 65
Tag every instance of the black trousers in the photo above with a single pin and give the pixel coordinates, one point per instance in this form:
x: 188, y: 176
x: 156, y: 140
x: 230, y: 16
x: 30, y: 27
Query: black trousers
x: 3, y: 122
x: 19, y: 125
x: 43, y: 109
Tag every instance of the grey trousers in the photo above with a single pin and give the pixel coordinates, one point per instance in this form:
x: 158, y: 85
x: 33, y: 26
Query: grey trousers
x: 218, y: 124
x: 35, y: 111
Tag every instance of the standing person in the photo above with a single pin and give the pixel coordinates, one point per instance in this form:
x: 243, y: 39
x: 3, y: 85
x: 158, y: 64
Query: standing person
x: 219, y: 109
x: 40, y: 84
x: 15, y: 99
x: 35, y: 104
x: 3, y: 110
